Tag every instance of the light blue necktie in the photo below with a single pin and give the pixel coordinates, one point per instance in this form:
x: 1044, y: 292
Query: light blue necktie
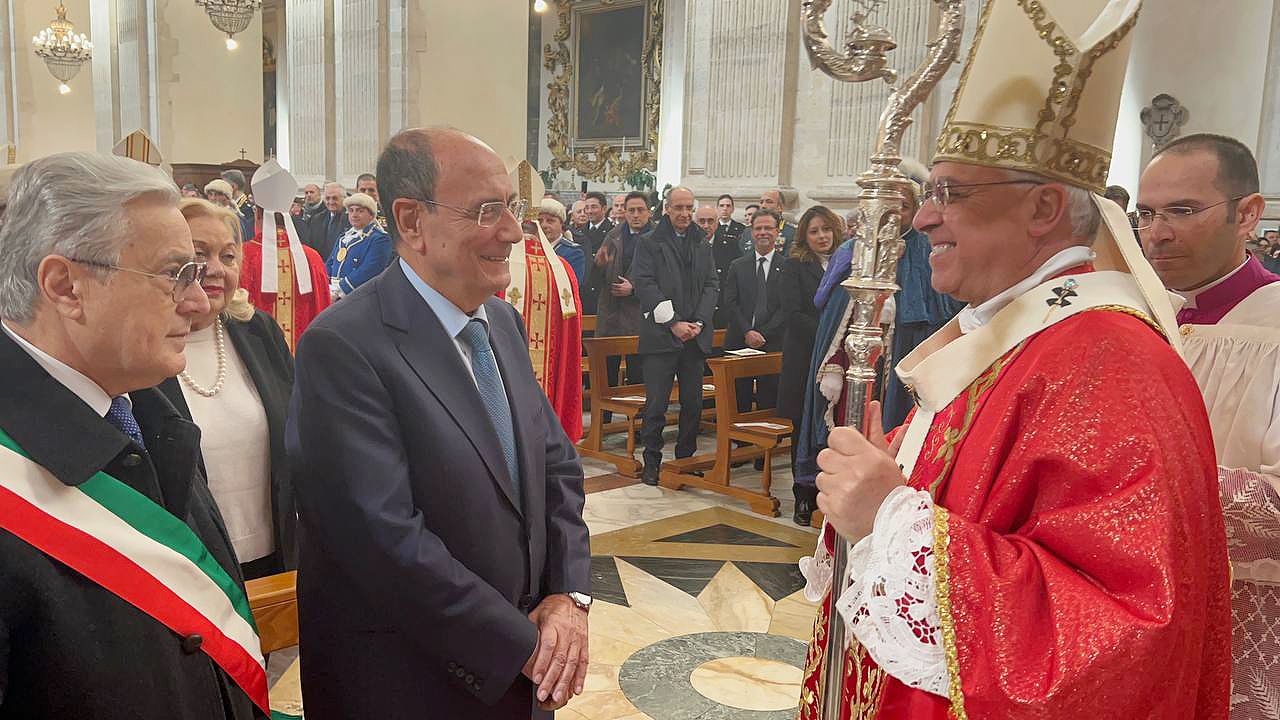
x: 485, y: 369
x: 121, y: 415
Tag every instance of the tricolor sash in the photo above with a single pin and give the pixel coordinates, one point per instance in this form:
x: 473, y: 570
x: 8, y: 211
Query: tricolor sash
x: 135, y: 549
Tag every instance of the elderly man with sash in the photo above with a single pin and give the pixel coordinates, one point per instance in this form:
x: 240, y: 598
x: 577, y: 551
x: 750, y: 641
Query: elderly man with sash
x: 1046, y: 542
x: 1197, y: 206
x: 544, y: 290
x: 285, y: 279
x: 120, y: 595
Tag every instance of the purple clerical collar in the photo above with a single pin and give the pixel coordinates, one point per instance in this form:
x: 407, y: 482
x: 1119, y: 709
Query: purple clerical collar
x: 1214, y: 302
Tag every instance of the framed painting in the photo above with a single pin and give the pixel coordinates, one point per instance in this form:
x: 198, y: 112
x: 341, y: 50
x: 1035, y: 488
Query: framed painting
x: 605, y: 61
x: 609, y: 87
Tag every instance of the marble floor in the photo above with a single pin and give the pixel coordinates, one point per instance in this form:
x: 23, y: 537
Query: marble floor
x: 698, y: 607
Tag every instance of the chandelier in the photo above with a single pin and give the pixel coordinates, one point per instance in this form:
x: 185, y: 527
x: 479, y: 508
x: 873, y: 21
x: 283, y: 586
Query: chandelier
x: 63, y: 51
x: 230, y: 16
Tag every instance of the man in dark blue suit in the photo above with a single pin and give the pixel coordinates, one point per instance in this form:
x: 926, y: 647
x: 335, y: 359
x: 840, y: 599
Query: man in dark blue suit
x: 444, y: 561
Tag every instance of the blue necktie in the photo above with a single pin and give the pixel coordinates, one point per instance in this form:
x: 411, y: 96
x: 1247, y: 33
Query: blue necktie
x: 485, y: 369
x: 121, y: 415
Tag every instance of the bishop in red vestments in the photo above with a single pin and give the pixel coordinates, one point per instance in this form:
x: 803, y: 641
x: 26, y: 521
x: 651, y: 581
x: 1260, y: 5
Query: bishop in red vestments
x: 292, y: 310
x: 292, y: 295
x: 1042, y: 539
x: 544, y: 290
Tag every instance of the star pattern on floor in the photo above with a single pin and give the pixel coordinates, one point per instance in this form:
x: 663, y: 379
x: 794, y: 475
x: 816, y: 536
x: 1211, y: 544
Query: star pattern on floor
x: 685, y: 590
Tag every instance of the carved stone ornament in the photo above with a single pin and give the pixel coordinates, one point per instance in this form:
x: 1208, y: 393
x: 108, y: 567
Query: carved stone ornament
x: 1163, y: 119
x: 603, y: 160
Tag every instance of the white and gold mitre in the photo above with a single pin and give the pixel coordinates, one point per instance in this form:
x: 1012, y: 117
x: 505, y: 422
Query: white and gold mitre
x: 530, y: 188
x: 1041, y: 89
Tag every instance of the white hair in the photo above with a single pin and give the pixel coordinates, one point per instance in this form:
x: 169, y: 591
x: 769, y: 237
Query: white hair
x: 1085, y: 218
x: 73, y: 204
x: 339, y: 186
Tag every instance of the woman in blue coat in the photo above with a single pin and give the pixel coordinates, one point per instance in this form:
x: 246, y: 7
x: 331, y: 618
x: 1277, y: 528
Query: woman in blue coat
x: 362, y: 252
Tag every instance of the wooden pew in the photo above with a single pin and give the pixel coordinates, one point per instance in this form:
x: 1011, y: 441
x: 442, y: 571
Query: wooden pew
x: 622, y: 399
x: 274, y: 603
x: 762, y: 429
x: 588, y: 330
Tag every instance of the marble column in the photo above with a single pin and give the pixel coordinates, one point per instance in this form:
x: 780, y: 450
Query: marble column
x: 737, y: 101
x: 342, y: 85
x: 8, y: 84
x: 124, y: 70
x: 309, y: 58
x: 1269, y: 136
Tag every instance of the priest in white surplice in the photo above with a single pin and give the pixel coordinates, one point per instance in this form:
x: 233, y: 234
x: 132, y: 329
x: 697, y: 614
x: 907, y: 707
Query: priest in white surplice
x: 1197, y: 205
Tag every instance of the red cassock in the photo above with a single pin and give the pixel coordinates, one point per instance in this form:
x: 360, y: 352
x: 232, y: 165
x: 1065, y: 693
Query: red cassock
x: 1080, y: 556
x: 555, y: 341
x: 292, y: 310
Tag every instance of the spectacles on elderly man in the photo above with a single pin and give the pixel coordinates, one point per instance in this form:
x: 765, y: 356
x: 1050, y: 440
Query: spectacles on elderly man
x: 1144, y: 218
x: 183, y: 278
x: 944, y: 193
x: 488, y: 214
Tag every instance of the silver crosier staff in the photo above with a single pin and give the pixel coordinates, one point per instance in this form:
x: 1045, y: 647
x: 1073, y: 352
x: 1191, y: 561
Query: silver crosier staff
x: 877, y: 237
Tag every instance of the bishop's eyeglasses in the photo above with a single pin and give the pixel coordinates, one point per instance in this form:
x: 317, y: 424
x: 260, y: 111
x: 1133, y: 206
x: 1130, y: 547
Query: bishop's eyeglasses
x: 944, y: 193
x: 183, y: 278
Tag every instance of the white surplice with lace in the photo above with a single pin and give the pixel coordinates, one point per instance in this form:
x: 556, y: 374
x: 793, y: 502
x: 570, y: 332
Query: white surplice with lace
x: 1237, y: 365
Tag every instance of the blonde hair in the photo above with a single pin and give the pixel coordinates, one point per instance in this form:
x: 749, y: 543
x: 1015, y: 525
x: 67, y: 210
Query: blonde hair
x: 238, y: 306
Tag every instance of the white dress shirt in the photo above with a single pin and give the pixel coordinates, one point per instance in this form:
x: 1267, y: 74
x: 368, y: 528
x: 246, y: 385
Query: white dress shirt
x: 77, y: 382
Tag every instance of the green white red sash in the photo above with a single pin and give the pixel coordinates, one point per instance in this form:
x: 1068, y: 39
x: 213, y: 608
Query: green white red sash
x: 138, y: 551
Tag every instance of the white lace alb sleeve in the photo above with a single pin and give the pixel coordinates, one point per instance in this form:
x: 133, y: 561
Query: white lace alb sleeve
x: 891, y: 604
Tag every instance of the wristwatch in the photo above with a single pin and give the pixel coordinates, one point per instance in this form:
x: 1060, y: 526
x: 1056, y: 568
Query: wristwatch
x: 582, y: 600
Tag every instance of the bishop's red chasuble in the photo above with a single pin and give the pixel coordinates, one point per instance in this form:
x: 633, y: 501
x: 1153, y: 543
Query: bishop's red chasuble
x: 1073, y: 540
x: 546, y: 294
x: 292, y: 310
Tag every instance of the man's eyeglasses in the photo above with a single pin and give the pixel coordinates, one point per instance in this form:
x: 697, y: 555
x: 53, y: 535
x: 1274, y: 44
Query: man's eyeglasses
x: 489, y: 213
x: 182, y: 278
x: 1144, y: 218
x: 943, y: 194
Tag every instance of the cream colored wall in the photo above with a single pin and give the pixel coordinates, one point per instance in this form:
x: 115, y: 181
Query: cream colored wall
x: 210, y: 98
x: 467, y: 68
x: 49, y: 122
x: 1209, y: 54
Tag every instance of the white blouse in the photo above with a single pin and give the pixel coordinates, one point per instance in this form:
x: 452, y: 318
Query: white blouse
x: 235, y: 442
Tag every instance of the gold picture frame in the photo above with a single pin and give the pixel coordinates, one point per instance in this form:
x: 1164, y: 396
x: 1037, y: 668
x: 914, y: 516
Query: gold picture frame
x: 598, y: 156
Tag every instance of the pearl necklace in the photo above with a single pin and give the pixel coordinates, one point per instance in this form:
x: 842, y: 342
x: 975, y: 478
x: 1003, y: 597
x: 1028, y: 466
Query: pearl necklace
x: 219, y: 344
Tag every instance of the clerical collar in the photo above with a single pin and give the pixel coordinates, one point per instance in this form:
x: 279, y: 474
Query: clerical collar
x: 1209, y: 304
x: 971, y: 318
x: 1204, y: 295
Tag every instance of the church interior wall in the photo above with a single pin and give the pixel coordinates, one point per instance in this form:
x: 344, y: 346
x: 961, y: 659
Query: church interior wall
x: 468, y: 69
x: 209, y: 97
x: 1212, y: 57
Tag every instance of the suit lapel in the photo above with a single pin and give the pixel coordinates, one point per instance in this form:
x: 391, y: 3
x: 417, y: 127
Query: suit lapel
x: 432, y: 354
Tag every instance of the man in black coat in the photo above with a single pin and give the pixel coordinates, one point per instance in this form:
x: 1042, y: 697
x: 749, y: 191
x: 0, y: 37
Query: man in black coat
x: 444, y: 560
x: 724, y: 244
x: 120, y: 595
x: 591, y: 236
x: 325, y: 227
x: 755, y: 321
x: 675, y: 279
